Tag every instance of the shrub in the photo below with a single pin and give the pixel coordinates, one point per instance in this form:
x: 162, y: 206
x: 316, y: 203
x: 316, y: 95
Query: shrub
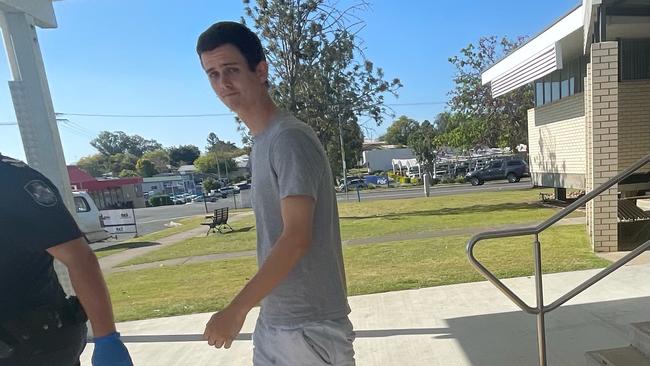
x: 160, y: 200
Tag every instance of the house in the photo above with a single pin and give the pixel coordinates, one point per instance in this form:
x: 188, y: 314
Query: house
x: 591, y: 75
x: 169, y: 184
x: 380, y: 156
x: 108, y: 193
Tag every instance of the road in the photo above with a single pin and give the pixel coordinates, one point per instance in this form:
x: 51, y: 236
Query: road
x: 154, y: 218
x: 438, y: 190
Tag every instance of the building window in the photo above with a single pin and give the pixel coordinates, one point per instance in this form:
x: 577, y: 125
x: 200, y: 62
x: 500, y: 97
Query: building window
x: 539, y: 94
x: 560, y: 83
x: 634, y: 59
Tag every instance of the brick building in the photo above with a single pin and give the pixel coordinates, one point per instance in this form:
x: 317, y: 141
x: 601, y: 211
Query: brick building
x: 591, y: 75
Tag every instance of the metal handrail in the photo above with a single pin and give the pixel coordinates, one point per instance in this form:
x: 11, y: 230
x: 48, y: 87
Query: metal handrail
x: 540, y: 310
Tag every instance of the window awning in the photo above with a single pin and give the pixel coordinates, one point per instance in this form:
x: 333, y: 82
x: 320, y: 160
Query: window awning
x: 538, y: 57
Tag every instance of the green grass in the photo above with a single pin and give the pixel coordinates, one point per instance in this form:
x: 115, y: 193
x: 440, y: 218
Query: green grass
x: 187, y: 224
x: 243, y: 238
x: 375, y: 268
x: 379, y: 218
x: 144, y: 240
x: 178, y: 290
x: 485, y: 209
x: 443, y: 261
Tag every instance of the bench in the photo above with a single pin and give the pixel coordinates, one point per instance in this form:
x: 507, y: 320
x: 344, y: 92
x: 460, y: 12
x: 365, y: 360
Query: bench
x: 219, y: 221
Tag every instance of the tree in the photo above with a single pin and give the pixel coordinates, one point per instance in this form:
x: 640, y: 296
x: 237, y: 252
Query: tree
x: 318, y: 70
x: 217, y: 145
x: 183, y: 155
x: 504, y: 119
x: 159, y: 158
x: 353, y: 143
x: 422, y: 142
x: 111, y: 143
x: 210, y: 184
x: 95, y: 165
x: 145, y: 168
x: 210, y: 163
x: 128, y: 173
x: 398, y: 133
x: 121, y: 161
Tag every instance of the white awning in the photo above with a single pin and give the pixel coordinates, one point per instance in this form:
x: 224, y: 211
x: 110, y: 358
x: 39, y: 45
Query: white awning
x: 537, y: 58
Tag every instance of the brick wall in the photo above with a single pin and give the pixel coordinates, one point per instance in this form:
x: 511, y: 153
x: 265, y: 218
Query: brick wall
x: 634, y: 121
x: 557, y: 150
x: 602, y: 134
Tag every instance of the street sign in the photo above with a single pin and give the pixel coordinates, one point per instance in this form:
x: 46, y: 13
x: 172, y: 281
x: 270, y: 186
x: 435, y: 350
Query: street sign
x: 119, y: 221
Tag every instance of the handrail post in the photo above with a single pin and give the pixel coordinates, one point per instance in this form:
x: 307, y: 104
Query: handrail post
x: 539, y: 289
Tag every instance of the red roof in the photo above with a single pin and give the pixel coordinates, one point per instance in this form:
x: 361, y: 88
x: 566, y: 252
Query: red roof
x: 78, y: 175
x: 82, y: 180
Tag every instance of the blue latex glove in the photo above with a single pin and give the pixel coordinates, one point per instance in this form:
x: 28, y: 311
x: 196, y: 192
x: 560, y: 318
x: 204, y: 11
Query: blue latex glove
x: 110, y: 351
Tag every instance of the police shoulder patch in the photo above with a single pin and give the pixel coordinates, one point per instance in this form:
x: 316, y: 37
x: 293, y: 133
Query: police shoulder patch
x: 41, y: 193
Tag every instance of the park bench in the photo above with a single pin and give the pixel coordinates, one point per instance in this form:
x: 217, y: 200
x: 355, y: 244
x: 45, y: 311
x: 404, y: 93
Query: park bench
x: 218, y: 222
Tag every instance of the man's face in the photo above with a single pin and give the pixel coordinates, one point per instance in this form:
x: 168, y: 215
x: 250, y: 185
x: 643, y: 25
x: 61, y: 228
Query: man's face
x: 235, y: 84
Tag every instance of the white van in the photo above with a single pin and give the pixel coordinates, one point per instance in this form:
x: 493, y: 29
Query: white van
x: 89, y: 218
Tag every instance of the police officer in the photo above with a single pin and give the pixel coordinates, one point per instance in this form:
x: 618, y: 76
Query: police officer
x: 39, y: 325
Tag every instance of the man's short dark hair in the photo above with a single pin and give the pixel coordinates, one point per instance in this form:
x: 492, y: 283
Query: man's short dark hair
x: 236, y: 34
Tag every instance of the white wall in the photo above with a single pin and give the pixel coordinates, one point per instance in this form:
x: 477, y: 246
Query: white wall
x: 381, y: 159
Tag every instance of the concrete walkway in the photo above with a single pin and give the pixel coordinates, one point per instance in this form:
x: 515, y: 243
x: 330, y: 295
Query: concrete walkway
x: 111, y: 261
x: 456, y: 325
x: 360, y: 241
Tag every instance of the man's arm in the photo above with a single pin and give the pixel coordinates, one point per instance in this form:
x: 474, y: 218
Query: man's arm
x: 88, y: 283
x: 291, y: 246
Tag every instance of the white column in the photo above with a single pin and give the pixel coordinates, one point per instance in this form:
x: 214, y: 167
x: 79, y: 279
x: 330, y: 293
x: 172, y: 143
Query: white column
x: 34, y: 111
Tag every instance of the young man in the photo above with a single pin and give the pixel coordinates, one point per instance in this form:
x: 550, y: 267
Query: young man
x: 38, y: 324
x: 301, y: 280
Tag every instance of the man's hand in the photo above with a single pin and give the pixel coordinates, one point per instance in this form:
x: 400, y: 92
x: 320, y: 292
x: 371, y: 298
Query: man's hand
x: 224, y: 326
x: 110, y: 351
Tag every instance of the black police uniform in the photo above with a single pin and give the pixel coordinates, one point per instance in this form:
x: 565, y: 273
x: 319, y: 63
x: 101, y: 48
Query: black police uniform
x: 38, y: 325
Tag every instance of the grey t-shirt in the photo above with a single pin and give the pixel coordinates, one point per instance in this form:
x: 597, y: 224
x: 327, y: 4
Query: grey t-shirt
x: 288, y: 160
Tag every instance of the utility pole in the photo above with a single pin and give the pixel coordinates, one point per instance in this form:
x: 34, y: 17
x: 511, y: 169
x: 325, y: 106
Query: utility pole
x: 31, y: 97
x: 345, y: 175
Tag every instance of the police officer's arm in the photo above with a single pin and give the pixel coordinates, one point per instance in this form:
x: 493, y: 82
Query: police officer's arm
x: 293, y: 244
x: 88, y: 283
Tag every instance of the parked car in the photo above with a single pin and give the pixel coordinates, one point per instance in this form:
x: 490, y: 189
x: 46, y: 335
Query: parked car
x: 207, y: 198
x: 353, y: 185
x: 228, y: 191
x: 243, y: 185
x: 511, y: 169
x: 89, y: 218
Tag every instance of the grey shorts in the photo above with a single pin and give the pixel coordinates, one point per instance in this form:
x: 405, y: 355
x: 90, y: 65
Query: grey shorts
x: 326, y: 342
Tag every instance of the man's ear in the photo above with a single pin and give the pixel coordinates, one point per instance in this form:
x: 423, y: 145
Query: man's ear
x: 262, y: 71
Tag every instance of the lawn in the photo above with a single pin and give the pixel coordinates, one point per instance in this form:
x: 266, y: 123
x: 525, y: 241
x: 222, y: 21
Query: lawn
x: 243, y: 238
x: 187, y: 224
x: 370, y: 268
x: 379, y: 218
x: 485, y: 209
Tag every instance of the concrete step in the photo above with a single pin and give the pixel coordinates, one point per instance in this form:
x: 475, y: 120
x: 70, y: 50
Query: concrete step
x: 624, y: 356
x: 640, y: 337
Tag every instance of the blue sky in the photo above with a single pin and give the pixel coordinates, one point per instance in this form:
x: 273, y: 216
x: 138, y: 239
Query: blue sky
x: 138, y: 58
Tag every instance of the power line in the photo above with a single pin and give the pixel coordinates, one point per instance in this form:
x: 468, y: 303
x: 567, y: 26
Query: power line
x: 148, y: 115
x: 415, y: 104
x: 204, y: 115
